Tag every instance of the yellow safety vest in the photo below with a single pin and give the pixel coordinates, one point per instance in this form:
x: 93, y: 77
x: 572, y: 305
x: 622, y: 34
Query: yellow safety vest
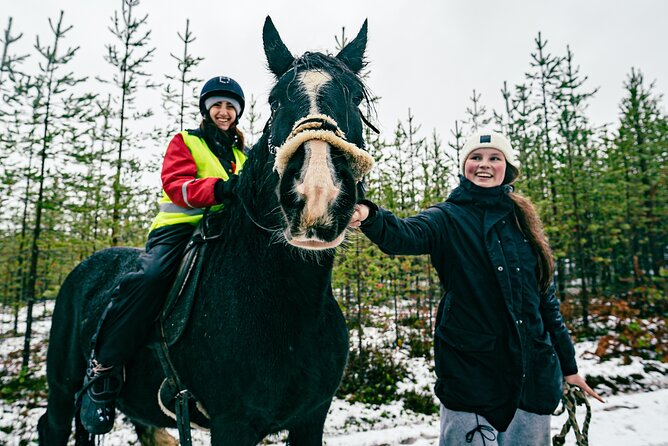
x: 208, y: 165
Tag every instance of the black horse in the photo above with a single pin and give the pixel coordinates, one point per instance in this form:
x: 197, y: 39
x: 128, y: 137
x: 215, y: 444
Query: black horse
x: 267, y: 343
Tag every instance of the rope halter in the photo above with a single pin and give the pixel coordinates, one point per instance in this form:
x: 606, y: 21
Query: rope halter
x: 324, y: 128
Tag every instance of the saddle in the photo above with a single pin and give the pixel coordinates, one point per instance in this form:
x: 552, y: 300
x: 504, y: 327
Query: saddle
x: 181, y: 297
x: 174, y: 399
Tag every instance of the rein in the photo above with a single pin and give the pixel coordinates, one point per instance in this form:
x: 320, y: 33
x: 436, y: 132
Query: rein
x: 251, y: 218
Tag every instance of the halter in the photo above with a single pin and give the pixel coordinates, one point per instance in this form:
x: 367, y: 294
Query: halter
x: 324, y: 128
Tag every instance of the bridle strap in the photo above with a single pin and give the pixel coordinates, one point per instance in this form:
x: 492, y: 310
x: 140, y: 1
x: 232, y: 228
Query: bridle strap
x: 318, y: 122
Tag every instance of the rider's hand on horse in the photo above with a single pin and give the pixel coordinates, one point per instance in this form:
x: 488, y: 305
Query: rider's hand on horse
x: 577, y: 380
x: 225, y: 189
x: 359, y: 215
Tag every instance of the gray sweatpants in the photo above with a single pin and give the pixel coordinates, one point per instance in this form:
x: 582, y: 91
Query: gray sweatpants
x: 464, y: 428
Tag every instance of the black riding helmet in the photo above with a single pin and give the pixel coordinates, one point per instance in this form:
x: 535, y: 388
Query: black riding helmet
x: 221, y: 86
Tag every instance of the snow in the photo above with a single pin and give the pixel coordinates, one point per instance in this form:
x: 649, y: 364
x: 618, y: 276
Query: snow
x: 636, y: 416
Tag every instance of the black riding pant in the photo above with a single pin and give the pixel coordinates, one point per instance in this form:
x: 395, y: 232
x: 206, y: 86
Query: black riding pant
x: 141, y: 294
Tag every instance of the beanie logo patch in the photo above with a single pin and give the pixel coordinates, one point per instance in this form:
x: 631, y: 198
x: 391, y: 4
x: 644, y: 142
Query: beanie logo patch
x: 224, y: 80
x: 485, y: 139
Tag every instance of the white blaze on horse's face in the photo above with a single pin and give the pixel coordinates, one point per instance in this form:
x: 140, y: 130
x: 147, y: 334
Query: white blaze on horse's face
x: 317, y: 184
x: 313, y: 80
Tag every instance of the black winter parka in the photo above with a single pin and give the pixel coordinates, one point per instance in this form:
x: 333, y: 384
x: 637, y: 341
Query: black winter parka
x: 499, y: 343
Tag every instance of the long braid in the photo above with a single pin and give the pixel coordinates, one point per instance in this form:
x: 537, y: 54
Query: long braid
x: 532, y: 227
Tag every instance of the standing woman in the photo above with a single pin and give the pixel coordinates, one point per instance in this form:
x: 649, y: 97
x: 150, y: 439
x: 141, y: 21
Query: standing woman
x: 199, y: 171
x: 501, y: 347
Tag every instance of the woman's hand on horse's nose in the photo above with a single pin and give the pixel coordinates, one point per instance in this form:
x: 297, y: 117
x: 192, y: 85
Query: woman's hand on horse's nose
x: 359, y: 215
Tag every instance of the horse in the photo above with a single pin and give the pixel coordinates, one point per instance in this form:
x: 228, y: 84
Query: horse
x: 266, y: 345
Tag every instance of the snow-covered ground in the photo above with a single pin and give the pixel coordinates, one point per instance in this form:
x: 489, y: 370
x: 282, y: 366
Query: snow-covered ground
x: 638, y: 417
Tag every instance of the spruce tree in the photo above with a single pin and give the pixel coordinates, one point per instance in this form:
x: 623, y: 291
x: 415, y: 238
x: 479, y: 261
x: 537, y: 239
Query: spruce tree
x: 253, y: 130
x: 180, y: 92
x: 642, y: 142
x: 578, y: 155
x: 477, y: 116
x: 9, y: 62
x: 57, y: 105
x: 129, y: 58
x: 545, y: 80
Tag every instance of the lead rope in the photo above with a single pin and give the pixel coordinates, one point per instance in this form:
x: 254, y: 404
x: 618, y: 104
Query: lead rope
x: 573, y: 397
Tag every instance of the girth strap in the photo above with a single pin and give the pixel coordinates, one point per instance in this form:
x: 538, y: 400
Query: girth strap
x: 183, y: 417
x: 182, y: 412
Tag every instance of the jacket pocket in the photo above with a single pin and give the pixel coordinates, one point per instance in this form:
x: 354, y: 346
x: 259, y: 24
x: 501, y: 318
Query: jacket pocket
x: 467, y: 365
x: 465, y: 340
x: 543, y: 386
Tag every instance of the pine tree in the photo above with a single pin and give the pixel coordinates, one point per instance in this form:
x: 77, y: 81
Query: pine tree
x: 458, y: 134
x: 641, y: 145
x: 357, y: 273
x: 545, y: 80
x: 129, y: 61
x: 9, y: 61
x: 12, y: 88
x: 180, y: 100
x: 56, y: 106
x: 253, y: 131
x: 574, y: 132
x: 477, y: 116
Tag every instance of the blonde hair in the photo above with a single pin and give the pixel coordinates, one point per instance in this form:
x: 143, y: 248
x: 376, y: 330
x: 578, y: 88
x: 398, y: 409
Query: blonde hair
x: 531, y: 226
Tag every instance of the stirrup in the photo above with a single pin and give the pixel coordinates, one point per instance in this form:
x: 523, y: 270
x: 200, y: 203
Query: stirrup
x: 98, y: 397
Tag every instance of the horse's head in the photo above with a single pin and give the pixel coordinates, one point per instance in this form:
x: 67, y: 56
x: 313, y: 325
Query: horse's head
x: 315, y: 135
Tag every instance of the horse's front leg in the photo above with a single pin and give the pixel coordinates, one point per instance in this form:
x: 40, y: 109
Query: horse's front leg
x: 308, y: 431
x: 229, y: 433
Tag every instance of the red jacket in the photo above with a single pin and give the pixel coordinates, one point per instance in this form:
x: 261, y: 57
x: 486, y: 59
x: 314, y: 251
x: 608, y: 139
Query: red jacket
x: 178, y: 168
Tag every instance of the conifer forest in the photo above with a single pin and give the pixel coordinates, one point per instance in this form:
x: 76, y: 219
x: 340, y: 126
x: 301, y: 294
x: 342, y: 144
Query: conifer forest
x: 74, y: 164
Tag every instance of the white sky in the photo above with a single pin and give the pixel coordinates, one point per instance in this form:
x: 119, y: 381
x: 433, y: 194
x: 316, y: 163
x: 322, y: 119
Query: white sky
x: 426, y: 55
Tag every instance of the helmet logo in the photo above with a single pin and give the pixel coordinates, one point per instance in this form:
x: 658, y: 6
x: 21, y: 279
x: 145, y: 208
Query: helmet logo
x: 224, y: 80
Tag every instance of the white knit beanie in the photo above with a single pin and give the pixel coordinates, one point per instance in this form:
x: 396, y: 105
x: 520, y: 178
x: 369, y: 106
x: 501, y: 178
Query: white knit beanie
x: 492, y: 140
x: 213, y: 99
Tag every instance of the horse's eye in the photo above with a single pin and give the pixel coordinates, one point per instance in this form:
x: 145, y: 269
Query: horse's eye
x: 358, y: 97
x: 274, y: 103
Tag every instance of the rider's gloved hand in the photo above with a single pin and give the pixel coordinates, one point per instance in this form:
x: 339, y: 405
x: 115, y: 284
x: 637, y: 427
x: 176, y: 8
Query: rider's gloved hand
x: 224, y: 190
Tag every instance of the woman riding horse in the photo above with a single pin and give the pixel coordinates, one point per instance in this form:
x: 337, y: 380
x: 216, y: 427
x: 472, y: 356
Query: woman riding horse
x: 266, y: 344
x: 200, y: 170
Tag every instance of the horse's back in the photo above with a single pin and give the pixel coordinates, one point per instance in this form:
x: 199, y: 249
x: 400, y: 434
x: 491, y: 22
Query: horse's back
x: 81, y: 300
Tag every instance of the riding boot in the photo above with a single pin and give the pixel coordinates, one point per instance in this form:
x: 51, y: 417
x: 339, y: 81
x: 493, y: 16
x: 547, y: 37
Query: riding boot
x: 98, y: 397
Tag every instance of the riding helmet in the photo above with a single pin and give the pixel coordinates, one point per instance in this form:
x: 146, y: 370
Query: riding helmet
x: 221, y: 86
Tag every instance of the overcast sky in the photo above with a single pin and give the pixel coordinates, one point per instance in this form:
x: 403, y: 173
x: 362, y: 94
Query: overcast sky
x: 426, y: 55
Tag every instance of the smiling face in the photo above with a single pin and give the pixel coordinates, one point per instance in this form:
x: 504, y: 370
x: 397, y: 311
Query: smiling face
x: 485, y: 167
x: 223, y: 114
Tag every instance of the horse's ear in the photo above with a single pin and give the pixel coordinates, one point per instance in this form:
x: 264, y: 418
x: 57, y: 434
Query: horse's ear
x: 353, y: 53
x: 279, y: 57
